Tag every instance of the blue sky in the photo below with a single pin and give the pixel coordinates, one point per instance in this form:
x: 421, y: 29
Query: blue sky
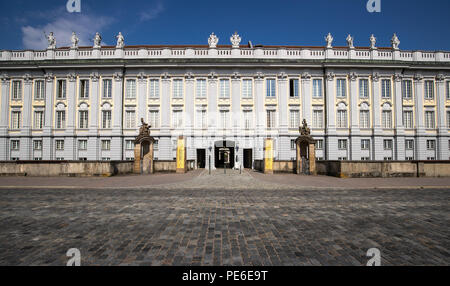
x: 419, y: 24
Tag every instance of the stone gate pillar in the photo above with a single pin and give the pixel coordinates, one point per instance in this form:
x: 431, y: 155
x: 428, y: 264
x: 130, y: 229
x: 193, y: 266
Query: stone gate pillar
x: 268, y: 156
x: 181, y: 155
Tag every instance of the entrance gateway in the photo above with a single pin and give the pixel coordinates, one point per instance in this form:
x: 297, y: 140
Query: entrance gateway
x: 224, y: 154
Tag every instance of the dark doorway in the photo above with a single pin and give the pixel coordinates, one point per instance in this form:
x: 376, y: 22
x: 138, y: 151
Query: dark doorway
x: 224, y: 154
x: 201, y: 158
x: 248, y: 158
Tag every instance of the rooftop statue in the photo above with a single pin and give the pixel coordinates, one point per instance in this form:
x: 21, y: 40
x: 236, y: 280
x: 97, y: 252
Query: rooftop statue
x: 97, y: 40
x: 395, y: 42
x: 213, y: 41
x: 350, y: 41
x: 74, y: 39
x: 120, y: 41
x: 51, y: 41
x: 373, y: 41
x: 235, y: 40
x: 329, y: 39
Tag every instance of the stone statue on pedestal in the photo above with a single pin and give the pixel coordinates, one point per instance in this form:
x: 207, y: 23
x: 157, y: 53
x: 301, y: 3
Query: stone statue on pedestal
x: 51, y: 41
x: 120, y: 41
x: 304, y: 130
x: 74, y: 39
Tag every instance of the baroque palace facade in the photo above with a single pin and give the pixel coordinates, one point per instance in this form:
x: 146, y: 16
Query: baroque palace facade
x: 362, y: 103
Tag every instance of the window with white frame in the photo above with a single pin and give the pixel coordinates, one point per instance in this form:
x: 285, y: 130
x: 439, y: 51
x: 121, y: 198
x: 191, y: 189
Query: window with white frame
x: 407, y: 89
x: 15, y: 145
x: 270, y: 118
x: 409, y: 144
x: 153, y: 88
x: 293, y: 145
x: 156, y: 146
x: 60, y: 119
x: 248, y: 119
x: 317, y: 88
x: 365, y: 144
x: 408, y: 119
x: 430, y: 120
x: 431, y: 144
x: 294, y: 118
x: 317, y: 118
x: 364, y: 88
x: 201, y: 121
x: 223, y: 120
x: 448, y: 90
x: 448, y: 119
x: 387, y: 144
x: 16, y: 119
x: 319, y: 144
x: 386, y: 119
x: 247, y: 88
x: 429, y: 89
x: 59, y: 145
x: 177, y: 88
x: 131, y: 88
x: 130, y: 119
x: 270, y: 87
x: 107, y: 88
x: 61, y: 89
x: 16, y: 90
x: 129, y: 144
x: 201, y: 88
x: 177, y: 119
x: 293, y: 88
x: 341, y: 88
x: 82, y: 145
x: 83, y: 119
x: 224, y: 88
x: 154, y: 118
x: 364, y: 119
x: 84, y: 88
x: 385, y: 88
x: 37, y: 145
x: 342, y: 119
x: 106, y: 119
x: 106, y: 145
x: 342, y: 144
x: 38, y: 119
x: 39, y: 91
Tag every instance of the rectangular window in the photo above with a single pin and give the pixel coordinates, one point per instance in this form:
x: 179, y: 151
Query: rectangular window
x: 224, y: 118
x: 247, y: 88
x: 431, y: 144
x: 364, y: 88
x: 16, y: 119
x: 39, y: 91
x: 409, y: 144
x: 387, y: 144
x: 342, y: 144
x: 106, y: 145
x: 342, y: 119
x: 386, y: 88
x: 38, y: 119
x: 37, y: 145
x: 448, y: 90
x: 364, y: 119
x: 294, y: 117
x: 365, y: 144
x: 17, y: 90
x: 429, y: 89
x: 319, y: 144
x: 201, y: 88
x: 270, y: 88
x: 341, y: 88
x: 84, y: 88
x: 131, y: 88
x: 224, y: 88
x: 82, y: 145
x: 293, y: 145
x: 408, y: 119
x: 106, y: 119
x: 448, y: 119
x: 248, y: 119
x: 430, y: 120
x: 317, y: 119
x: 293, y: 88
x: 317, y: 88
x: 154, y: 88
x: 15, y: 145
x: 130, y: 144
x: 407, y: 89
x: 60, y: 145
x: 270, y: 118
x: 201, y: 119
x: 60, y: 119
x: 83, y: 119
x: 130, y: 119
x: 177, y: 119
x: 177, y: 88
x: 107, y: 88
x: 156, y: 146
x: 61, y: 89
x: 154, y: 118
x: 386, y: 119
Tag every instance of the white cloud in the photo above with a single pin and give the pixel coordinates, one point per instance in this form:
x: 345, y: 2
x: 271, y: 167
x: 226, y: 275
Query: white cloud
x: 84, y: 25
x: 152, y: 13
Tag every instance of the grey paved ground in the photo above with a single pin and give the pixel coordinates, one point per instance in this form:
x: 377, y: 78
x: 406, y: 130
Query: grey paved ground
x: 224, y: 220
